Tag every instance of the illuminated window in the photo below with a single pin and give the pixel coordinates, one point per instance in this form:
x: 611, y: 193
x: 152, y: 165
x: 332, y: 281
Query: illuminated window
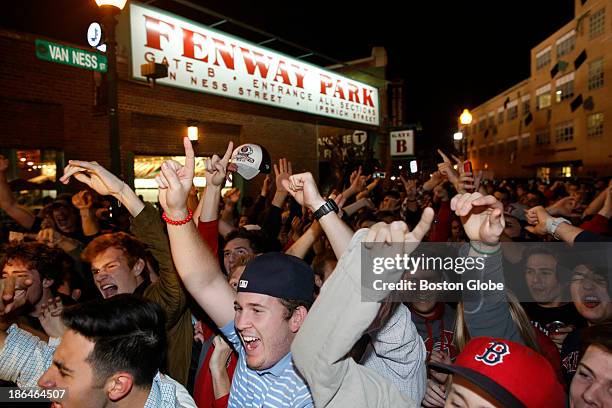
x: 565, y: 87
x: 543, y: 99
x: 566, y: 171
x: 595, y: 124
x: 544, y: 173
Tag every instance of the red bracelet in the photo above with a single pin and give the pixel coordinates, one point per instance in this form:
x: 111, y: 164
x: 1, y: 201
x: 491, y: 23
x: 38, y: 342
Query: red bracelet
x: 180, y: 222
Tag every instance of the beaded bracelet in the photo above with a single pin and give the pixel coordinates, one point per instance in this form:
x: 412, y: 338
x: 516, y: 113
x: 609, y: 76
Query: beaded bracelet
x: 180, y: 222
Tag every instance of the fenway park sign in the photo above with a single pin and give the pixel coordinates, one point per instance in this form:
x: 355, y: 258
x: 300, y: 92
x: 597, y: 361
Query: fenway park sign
x: 206, y: 60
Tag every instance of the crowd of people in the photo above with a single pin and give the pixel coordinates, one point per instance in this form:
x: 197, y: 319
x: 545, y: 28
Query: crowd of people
x: 215, y: 299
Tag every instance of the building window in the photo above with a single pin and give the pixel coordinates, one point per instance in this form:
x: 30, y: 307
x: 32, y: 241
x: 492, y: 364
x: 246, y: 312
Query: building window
x: 543, y: 100
x: 566, y: 44
x: 525, y: 107
x: 491, y: 120
x: 525, y: 141
x: 566, y: 171
x: 564, y: 132
x: 564, y: 90
x: 500, y: 117
x: 595, y: 124
x: 543, y: 136
x: 597, y: 23
x: 543, y: 59
x: 482, y: 124
x: 596, y: 74
x: 512, y: 112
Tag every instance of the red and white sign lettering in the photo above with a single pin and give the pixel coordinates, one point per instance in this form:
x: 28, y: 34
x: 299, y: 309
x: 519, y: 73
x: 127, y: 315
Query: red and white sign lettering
x: 205, y: 60
x: 401, y: 143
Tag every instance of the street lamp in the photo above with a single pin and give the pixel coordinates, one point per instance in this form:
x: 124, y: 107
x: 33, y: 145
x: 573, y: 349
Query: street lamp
x: 464, y: 119
x: 110, y: 9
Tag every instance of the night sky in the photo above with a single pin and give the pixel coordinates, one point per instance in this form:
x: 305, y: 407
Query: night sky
x: 450, y: 54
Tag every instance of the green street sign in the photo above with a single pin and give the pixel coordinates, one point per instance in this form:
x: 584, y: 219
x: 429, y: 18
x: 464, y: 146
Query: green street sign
x: 75, y: 57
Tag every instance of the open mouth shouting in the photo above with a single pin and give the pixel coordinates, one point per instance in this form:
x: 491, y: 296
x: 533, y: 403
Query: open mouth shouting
x: 251, y: 343
x: 108, y: 290
x: 591, y: 301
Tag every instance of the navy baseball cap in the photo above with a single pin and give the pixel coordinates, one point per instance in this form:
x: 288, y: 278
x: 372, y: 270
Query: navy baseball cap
x: 278, y: 275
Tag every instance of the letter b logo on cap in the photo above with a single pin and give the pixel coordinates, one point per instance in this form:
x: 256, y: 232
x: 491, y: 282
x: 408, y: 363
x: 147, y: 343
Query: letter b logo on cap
x: 494, y: 354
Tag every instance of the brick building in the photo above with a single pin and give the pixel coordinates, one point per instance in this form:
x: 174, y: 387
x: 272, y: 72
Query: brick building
x: 558, y: 122
x: 52, y: 113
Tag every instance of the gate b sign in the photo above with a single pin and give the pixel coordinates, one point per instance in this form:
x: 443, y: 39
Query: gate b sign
x: 401, y: 143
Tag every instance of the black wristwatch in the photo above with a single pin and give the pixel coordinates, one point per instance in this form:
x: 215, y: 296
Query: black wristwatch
x: 329, y: 206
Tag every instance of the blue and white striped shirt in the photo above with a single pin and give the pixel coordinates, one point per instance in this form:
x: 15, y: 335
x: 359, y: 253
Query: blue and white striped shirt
x: 279, y: 386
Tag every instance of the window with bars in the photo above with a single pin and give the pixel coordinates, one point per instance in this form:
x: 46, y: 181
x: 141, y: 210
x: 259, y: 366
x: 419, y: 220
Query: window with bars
x: 543, y: 60
x: 564, y: 91
x: 597, y: 23
x: 596, y: 74
x: 595, y: 124
x: 564, y: 132
x: 512, y: 112
x: 543, y: 136
x: 566, y: 46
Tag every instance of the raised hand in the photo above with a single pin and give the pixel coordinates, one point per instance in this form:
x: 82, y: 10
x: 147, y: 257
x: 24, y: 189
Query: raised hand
x: 175, y: 182
x: 398, y: 231
x: 95, y: 176
x: 410, y: 186
x: 216, y: 167
x: 83, y: 200
x: 563, y: 207
x: 50, y: 317
x: 446, y: 168
x: 482, y: 216
x: 8, y: 286
x: 283, y: 171
x: 220, y: 354
x: 304, y: 189
x: 537, y: 217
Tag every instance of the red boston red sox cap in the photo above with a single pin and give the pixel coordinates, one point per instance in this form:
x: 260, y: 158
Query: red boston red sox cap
x: 515, y: 375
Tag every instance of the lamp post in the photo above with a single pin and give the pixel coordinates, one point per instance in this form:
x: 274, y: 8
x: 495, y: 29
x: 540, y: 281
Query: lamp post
x: 464, y: 119
x: 110, y: 9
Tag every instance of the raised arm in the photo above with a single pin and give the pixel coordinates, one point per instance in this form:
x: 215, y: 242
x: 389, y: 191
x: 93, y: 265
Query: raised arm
x: 304, y: 189
x: 339, y: 313
x: 195, y: 263
x: 83, y: 200
x: 486, y: 313
x: 21, y: 215
x: 104, y: 183
x: 216, y: 172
